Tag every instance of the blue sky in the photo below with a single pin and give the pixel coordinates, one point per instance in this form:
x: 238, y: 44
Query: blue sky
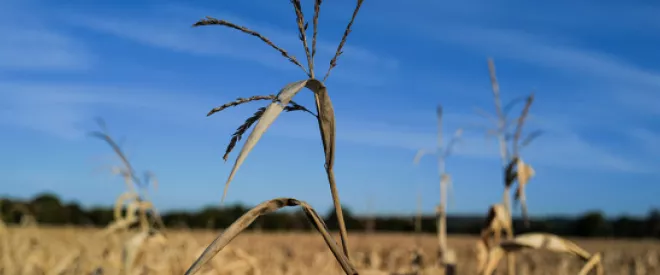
x: 139, y: 65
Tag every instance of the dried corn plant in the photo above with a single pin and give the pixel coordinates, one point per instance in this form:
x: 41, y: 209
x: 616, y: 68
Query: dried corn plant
x: 265, y: 116
x: 445, y: 254
x: 514, y: 168
x: 499, y: 217
x: 136, y: 198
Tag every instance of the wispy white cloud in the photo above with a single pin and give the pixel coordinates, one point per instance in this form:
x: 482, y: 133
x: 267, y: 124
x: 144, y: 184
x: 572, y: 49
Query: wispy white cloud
x: 559, y: 147
x: 611, y: 80
x: 616, y: 92
x: 60, y: 121
x: 557, y: 38
x: 32, y: 45
x: 176, y: 34
x: 66, y: 110
x: 648, y: 140
x: 40, y: 49
x: 71, y: 106
x: 545, y: 51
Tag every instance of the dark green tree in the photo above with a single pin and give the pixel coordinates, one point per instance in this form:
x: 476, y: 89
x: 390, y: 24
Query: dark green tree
x: 591, y: 224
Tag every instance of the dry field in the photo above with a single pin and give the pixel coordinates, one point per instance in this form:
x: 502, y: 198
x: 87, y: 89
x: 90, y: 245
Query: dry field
x: 33, y: 249
x: 82, y: 251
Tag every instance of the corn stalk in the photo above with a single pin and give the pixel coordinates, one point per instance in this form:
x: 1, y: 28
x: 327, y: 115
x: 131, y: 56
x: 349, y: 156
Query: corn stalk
x: 442, y: 152
x: 265, y: 116
x: 511, y: 160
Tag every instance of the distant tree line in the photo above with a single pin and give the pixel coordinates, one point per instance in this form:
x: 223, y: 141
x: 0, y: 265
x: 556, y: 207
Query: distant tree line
x: 48, y: 209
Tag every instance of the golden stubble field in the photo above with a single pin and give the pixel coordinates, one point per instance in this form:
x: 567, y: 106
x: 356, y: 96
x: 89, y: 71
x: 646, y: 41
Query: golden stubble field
x: 42, y: 250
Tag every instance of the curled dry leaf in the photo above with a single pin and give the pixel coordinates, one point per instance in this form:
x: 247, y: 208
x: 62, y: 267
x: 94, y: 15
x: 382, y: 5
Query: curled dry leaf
x: 133, y: 203
x: 524, y: 173
x: 326, y: 116
x: 326, y: 119
x: 267, y: 118
x: 262, y: 209
x: 119, y: 204
x: 123, y: 222
x: 544, y: 241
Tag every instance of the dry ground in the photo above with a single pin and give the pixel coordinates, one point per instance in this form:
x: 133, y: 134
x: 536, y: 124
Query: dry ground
x: 80, y: 251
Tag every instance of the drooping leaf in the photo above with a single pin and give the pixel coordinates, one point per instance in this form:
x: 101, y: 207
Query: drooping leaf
x: 326, y: 119
x: 542, y: 241
x: 524, y: 173
x: 267, y: 118
x: 546, y: 241
x: 326, y: 115
x: 264, y: 208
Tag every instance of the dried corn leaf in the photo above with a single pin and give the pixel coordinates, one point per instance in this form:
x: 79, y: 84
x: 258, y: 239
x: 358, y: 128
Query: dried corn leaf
x: 262, y: 209
x: 326, y: 116
x: 326, y: 121
x: 545, y: 241
x: 120, y: 201
x: 270, y: 114
x: 525, y: 172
